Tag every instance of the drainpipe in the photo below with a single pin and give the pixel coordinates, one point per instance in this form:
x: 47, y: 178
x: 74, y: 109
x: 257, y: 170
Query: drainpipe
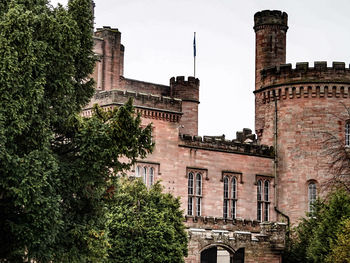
x: 275, y: 164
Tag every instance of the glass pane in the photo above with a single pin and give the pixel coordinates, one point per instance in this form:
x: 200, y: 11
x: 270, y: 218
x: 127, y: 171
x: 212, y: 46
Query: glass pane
x: 233, y: 209
x: 198, y: 184
x: 138, y: 171
x: 190, y: 206
x: 347, y: 134
x: 312, y: 193
x: 145, y: 175
x: 266, y: 212
x: 266, y: 190
x: 151, y: 175
x: 225, y: 187
x: 259, y: 212
x: 190, y: 183
x: 198, y: 208
x: 225, y: 208
x: 234, y: 188
x: 259, y: 190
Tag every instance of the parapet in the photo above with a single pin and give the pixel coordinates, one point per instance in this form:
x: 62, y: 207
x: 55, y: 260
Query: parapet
x: 181, y: 80
x: 187, y: 90
x: 107, y: 28
x: 148, y: 105
x: 270, y: 18
x: 235, y: 232
x: 302, y: 73
x: 245, y: 143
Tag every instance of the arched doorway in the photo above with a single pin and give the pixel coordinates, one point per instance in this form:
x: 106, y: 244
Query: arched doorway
x: 222, y: 254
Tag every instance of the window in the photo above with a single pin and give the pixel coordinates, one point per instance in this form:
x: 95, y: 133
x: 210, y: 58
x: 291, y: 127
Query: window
x: 263, y: 200
x: 145, y: 175
x: 147, y: 172
x: 312, y: 193
x: 347, y: 133
x: 151, y: 176
x: 230, y: 197
x: 194, y: 190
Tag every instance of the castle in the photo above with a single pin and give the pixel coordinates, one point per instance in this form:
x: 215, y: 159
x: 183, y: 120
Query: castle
x: 239, y: 195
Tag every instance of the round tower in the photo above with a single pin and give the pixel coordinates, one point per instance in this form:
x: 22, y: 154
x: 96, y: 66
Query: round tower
x: 270, y: 47
x: 298, y: 110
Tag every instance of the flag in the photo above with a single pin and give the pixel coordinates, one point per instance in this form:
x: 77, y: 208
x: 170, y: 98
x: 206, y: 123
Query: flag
x: 194, y: 44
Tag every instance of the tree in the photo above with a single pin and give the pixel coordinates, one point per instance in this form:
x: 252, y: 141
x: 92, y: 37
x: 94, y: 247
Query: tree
x: 313, y: 237
x: 146, y: 225
x: 55, y: 165
x: 340, y: 248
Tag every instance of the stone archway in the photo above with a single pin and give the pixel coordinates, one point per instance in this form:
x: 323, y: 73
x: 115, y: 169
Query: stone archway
x: 220, y: 253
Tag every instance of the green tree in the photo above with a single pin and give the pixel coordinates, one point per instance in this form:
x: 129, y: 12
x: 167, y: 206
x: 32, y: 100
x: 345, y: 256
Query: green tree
x: 312, y: 238
x: 146, y: 225
x: 55, y: 165
x: 340, y: 248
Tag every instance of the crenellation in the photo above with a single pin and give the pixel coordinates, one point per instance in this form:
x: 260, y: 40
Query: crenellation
x: 303, y: 73
x: 310, y: 91
x: 219, y: 143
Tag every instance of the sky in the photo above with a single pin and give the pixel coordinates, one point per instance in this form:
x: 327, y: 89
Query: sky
x: 158, y: 40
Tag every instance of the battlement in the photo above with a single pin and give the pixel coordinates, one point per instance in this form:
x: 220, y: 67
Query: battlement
x: 107, y: 28
x: 270, y: 18
x: 303, y: 73
x: 181, y: 80
x: 245, y: 143
x: 187, y: 90
x: 150, y: 106
x: 235, y: 232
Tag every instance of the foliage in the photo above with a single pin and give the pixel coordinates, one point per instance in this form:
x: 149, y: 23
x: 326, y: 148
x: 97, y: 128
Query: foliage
x: 146, y: 225
x: 338, y: 154
x: 312, y: 238
x: 56, y: 166
x: 340, y: 248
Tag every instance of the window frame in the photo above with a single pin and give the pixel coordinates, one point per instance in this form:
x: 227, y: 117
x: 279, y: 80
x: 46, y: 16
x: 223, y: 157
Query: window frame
x: 347, y: 133
x: 195, y: 191
x: 311, y: 196
x: 263, y: 199
x: 230, y: 196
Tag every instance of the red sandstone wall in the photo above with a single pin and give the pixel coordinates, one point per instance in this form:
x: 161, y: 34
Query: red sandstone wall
x: 189, y: 119
x: 304, y: 118
x: 174, y: 160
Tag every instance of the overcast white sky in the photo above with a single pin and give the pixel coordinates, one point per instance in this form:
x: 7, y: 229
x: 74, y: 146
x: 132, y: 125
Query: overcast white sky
x: 158, y: 37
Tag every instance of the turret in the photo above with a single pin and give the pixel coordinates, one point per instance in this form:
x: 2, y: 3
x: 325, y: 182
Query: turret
x: 270, y: 46
x: 188, y: 91
x: 110, y: 52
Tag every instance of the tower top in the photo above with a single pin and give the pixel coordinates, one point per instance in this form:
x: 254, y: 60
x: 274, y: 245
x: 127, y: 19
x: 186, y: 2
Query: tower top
x: 270, y: 18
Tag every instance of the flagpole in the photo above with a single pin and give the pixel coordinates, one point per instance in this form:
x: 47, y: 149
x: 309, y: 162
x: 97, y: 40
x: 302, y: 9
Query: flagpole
x: 194, y: 55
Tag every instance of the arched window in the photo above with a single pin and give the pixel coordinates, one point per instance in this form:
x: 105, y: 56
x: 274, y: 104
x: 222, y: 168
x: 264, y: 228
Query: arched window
x: 198, y: 184
x: 266, y: 199
x: 190, y: 194
x: 260, y: 203
x: 230, y: 197
x: 151, y: 176
x: 190, y: 183
x: 226, y: 198
x: 198, y: 193
x: 347, y: 133
x: 145, y: 175
x: 312, y: 194
x: 138, y: 171
x: 194, y: 193
x: 234, y: 197
x: 263, y: 200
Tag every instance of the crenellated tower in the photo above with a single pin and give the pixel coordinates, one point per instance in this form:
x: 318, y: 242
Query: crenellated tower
x: 295, y: 110
x: 270, y: 30
x: 188, y: 92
